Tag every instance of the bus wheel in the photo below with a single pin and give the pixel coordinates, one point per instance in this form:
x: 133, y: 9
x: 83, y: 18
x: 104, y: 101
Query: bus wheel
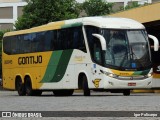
x: 126, y: 92
x: 86, y: 90
x: 28, y: 87
x: 63, y: 92
x: 20, y: 87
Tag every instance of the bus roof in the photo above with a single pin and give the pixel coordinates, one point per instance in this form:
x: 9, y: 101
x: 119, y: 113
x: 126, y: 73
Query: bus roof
x: 113, y: 22
x: 102, y: 22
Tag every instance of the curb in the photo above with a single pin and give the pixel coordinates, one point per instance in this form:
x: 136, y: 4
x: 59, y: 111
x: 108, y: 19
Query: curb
x: 143, y: 91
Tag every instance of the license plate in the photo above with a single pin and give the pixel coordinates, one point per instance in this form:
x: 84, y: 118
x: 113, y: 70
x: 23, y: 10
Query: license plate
x: 131, y: 84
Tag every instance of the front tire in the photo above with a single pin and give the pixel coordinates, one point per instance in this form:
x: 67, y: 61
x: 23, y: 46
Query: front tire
x: 86, y: 90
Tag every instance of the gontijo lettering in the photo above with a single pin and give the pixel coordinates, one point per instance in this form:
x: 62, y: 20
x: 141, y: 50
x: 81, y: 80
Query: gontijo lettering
x: 30, y: 60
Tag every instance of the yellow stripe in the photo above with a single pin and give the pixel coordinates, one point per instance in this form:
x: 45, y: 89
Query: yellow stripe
x: 156, y: 75
x: 50, y: 26
x: 122, y: 73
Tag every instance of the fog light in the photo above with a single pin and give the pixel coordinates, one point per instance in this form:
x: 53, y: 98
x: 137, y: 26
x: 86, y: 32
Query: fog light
x: 110, y: 75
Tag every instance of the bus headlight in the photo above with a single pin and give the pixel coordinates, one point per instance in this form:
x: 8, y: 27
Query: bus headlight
x: 111, y: 75
x: 149, y: 75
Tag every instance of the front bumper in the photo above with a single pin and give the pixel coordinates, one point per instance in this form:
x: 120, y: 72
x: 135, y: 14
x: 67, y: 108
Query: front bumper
x: 113, y: 83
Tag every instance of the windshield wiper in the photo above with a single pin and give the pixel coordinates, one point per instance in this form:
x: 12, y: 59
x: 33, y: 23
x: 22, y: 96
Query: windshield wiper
x: 124, y: 58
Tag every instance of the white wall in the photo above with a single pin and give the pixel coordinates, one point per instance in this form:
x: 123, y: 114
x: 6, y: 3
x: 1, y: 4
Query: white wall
x: 15, y: 11
x: 9, y: 1
x: 123, y: 1
x: 149, y: 1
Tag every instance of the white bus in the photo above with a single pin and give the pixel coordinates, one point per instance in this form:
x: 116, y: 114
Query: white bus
x: 91, y: 53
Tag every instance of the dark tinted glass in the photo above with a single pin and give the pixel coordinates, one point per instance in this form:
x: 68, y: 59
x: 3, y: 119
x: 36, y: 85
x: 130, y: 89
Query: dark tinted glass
x: 68, y: 38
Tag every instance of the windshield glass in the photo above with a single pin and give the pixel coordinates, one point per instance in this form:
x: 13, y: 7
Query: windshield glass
x: 126, y: 49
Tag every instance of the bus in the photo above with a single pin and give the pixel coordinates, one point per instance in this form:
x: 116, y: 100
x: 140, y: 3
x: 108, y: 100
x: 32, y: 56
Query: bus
x: 90, y: 53
x: 156, y: 70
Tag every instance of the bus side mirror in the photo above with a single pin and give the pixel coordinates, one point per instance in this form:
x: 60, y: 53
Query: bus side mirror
x: 156, y: 42
x: 102, y: 41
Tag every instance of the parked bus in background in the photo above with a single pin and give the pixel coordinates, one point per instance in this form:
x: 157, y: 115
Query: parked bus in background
x: 91, y: 53
x: 156, y: 69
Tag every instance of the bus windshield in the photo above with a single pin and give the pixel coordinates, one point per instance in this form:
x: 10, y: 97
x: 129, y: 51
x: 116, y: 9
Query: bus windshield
x: 127, y: 49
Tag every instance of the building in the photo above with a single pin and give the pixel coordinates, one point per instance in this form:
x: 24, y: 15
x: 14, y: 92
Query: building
x: 123, y: 3
x: 10, y: 10
x: 120, y: 4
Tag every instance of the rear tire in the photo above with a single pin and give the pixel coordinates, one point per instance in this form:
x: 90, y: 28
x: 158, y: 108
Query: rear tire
x: 20, y: 87
x: 86, y: 90
x: 28, y: 87
x: 126, y: 92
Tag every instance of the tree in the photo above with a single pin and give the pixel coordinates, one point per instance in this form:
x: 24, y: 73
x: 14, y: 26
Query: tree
x: 133, y: 5
x: 1, y: 35
x: 97, y: 7
x: 39, y: 12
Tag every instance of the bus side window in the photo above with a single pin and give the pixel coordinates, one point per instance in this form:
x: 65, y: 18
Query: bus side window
x: 97, y: 56
x: 26, y: 43
x: 82, y: 42
x: 94, y: 44
x: 48, y: 39
x: 69, y: 37
x: 14, y: 46
x: 52, y: 43
x: 58, y: 40
x: 41, y: 41
x: 54, y: 40
x: 20, y: 43
x: 97, y: 51
x: 63, y: 38
x: 7, y: 45
x: 78, y: 39
x: 33, y: 42
x: 75, y: 39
